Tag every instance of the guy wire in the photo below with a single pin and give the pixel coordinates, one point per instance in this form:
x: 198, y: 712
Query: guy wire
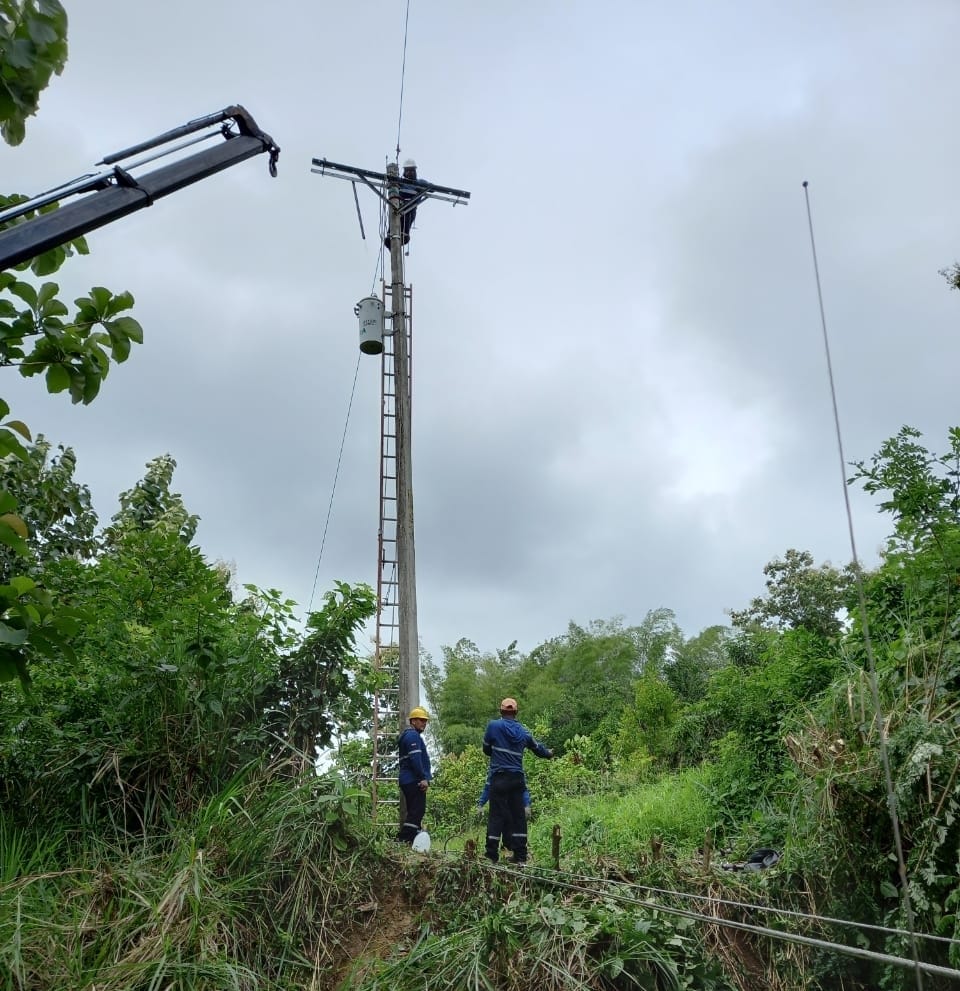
x: 333, y: 488
x: 862, y: 601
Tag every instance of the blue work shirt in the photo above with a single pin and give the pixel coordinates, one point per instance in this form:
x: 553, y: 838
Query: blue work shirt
x: 504, y: 743
x: 414, y: 759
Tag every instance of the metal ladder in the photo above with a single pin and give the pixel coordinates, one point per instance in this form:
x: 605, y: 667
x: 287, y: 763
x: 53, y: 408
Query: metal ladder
x: 387, y: 719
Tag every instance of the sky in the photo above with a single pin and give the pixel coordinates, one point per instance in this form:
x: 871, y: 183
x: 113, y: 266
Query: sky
x: 620, y: 396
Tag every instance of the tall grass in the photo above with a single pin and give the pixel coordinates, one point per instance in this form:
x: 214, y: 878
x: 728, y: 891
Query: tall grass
x: 257, y: 889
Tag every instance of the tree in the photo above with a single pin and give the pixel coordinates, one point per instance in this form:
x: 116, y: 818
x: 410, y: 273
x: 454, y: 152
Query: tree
x: 923, y: 487
x: 55, y: 508
x: 73, y: 354
x: 646, y: 724
x: 321, y: 692
x: 915, y: 587
x: 692, y: 663
x: 33, y: 47
x: 464, y: 695
x: 952, y: 275
x: 150, y: 505
x: 580, y: 683
x: 799, y: 596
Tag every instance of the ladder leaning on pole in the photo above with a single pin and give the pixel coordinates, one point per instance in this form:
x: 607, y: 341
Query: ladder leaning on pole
x: 387, y: 719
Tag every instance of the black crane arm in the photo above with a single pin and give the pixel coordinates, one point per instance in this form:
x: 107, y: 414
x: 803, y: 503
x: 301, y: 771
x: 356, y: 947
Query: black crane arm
x: 115, y: 191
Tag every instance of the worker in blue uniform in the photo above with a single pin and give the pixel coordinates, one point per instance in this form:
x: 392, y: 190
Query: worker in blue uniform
x: 504, y: 742
x: 414, y: 778
x: 507, y: 834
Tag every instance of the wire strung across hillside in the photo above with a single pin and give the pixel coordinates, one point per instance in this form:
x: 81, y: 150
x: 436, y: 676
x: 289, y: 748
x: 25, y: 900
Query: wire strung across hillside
x: 819, y: 944
x: 747, y: 906
x: 864, y: 620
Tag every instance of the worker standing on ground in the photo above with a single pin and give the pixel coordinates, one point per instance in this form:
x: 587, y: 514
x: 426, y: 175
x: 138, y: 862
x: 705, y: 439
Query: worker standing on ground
x: 508, y: 827
x: 414, y: 778
x: 504, y: 743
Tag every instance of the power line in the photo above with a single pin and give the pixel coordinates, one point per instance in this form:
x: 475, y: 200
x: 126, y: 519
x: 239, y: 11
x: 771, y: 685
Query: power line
x: 333, y: 488
x: 403, y: 73
x: 770, y: 909
x: 819, y: 944
x: 862, y: 602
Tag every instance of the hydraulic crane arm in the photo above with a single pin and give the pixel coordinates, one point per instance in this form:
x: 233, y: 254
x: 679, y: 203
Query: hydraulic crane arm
x: 115, y: 191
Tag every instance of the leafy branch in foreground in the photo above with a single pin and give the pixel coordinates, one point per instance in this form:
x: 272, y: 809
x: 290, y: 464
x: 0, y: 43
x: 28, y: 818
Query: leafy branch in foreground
x: 33, y: 48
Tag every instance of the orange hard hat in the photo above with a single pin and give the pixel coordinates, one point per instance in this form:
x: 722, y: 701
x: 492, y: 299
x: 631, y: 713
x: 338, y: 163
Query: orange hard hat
x: 508, y: 705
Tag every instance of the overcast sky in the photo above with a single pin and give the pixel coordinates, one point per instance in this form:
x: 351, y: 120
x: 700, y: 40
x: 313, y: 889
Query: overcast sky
x: 620, y: 392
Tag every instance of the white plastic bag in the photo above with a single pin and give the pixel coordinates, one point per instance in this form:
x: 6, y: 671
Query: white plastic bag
x: 421, y: 842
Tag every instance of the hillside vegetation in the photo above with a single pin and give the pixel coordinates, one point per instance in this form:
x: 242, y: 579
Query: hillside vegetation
x: 164, y: 825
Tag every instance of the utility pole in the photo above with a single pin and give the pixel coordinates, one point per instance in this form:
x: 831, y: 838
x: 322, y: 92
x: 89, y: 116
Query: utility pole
x: 406, y: 552
x: 400, y: 195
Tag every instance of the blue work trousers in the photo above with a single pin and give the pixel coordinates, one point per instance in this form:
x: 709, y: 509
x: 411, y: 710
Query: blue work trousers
x: 506, y: 815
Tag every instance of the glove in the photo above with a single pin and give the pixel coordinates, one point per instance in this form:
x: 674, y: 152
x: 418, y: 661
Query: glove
x: 478, y: 811
x: 527, y: 811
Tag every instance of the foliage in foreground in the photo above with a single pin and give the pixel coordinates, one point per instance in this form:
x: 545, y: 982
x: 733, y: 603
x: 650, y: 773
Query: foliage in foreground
x: 255, y: 889
x: 513, y: 936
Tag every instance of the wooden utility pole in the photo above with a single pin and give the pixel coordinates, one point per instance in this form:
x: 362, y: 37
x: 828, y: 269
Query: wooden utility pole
x: 397, y: 595
x: 406, y: 554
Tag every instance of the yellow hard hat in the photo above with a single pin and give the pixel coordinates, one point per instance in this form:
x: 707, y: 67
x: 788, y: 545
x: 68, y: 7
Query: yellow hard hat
x: 419, y: 713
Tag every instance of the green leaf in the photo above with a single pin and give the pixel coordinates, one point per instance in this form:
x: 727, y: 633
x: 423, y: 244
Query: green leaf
x: 58, y: 378
x: 42, y: 33
x: 120, y: 345
x: 101, y: 299
x: 20, y: 427
x: 122, y: 301
x: 47, y: 291
x: 128, y: 327
x: 56, y: 308
x: 12, y: 636
x: 15, y: 523
x: 10, y: 445
x: 26, y: 292
x: 10, y: 538
x: 49, y: 261
x: 19, y: 54
x: 21, y: 584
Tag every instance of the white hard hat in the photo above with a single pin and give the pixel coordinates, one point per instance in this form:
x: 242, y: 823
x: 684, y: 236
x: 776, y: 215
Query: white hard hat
x: 409, y: 164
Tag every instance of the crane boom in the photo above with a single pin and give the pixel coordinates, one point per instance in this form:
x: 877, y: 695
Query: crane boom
x: 115, y: 192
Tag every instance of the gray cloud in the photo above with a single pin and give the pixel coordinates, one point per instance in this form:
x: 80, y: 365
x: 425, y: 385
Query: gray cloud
x: 620, y: 392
